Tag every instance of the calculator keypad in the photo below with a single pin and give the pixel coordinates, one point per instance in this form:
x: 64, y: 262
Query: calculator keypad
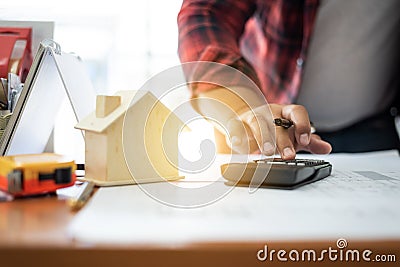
x: 294, y: 162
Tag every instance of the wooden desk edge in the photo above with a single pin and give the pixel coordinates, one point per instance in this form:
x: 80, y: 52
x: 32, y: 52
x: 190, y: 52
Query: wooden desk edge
x: 217, y: 254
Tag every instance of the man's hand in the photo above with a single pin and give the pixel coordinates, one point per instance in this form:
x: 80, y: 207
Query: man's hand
x: 256, y: 129
x: 247, y: 122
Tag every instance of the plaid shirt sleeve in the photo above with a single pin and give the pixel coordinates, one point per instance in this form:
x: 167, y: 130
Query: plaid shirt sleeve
x: 210, y: 30
x: 266, y: 40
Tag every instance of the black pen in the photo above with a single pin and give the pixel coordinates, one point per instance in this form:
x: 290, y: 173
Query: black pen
x: 285, y: 123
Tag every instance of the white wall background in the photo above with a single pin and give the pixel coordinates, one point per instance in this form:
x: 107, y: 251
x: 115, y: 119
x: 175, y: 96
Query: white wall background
x: 123, y: 43
x: 119, y: 40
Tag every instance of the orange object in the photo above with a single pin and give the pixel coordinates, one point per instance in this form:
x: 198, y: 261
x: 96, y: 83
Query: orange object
x: 15, y: 51
x: 23, y: 175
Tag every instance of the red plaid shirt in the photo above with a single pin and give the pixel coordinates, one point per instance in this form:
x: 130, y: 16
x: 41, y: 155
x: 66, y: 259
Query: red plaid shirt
x: 265, y: 39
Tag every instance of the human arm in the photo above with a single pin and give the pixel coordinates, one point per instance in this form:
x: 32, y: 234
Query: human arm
x: 210, y: 31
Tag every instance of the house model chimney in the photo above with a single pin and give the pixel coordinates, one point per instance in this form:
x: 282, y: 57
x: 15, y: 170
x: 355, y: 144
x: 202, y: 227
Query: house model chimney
x: 106, y: 104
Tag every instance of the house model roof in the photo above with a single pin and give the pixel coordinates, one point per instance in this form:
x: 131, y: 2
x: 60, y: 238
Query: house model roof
x: 99, y: 124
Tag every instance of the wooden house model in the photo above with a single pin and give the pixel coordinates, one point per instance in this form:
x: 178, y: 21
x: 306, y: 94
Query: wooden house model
x: 130, y: 138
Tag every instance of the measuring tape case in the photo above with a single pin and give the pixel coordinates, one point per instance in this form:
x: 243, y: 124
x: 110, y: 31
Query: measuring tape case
x: 23, y: 175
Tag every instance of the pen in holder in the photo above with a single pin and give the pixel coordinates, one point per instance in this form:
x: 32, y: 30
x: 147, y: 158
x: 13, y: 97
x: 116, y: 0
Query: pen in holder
x: 10, y: 90
x: 4, y: 118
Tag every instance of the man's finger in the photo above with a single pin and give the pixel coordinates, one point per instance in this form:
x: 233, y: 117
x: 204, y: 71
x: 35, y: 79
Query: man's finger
x: 239, y: 138
x: 299, y: 115
x: 318, y: 146
x: 284, y: 143
x: 260, y: 123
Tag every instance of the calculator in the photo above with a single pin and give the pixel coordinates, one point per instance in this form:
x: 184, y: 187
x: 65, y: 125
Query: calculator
x: 276, y: 172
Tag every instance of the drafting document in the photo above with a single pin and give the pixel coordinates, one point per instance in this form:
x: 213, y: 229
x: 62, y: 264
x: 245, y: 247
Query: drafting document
x: 360, y: 200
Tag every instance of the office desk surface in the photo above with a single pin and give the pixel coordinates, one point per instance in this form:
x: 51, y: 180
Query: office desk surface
x: 36, y: 232
x: 39, y: 221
